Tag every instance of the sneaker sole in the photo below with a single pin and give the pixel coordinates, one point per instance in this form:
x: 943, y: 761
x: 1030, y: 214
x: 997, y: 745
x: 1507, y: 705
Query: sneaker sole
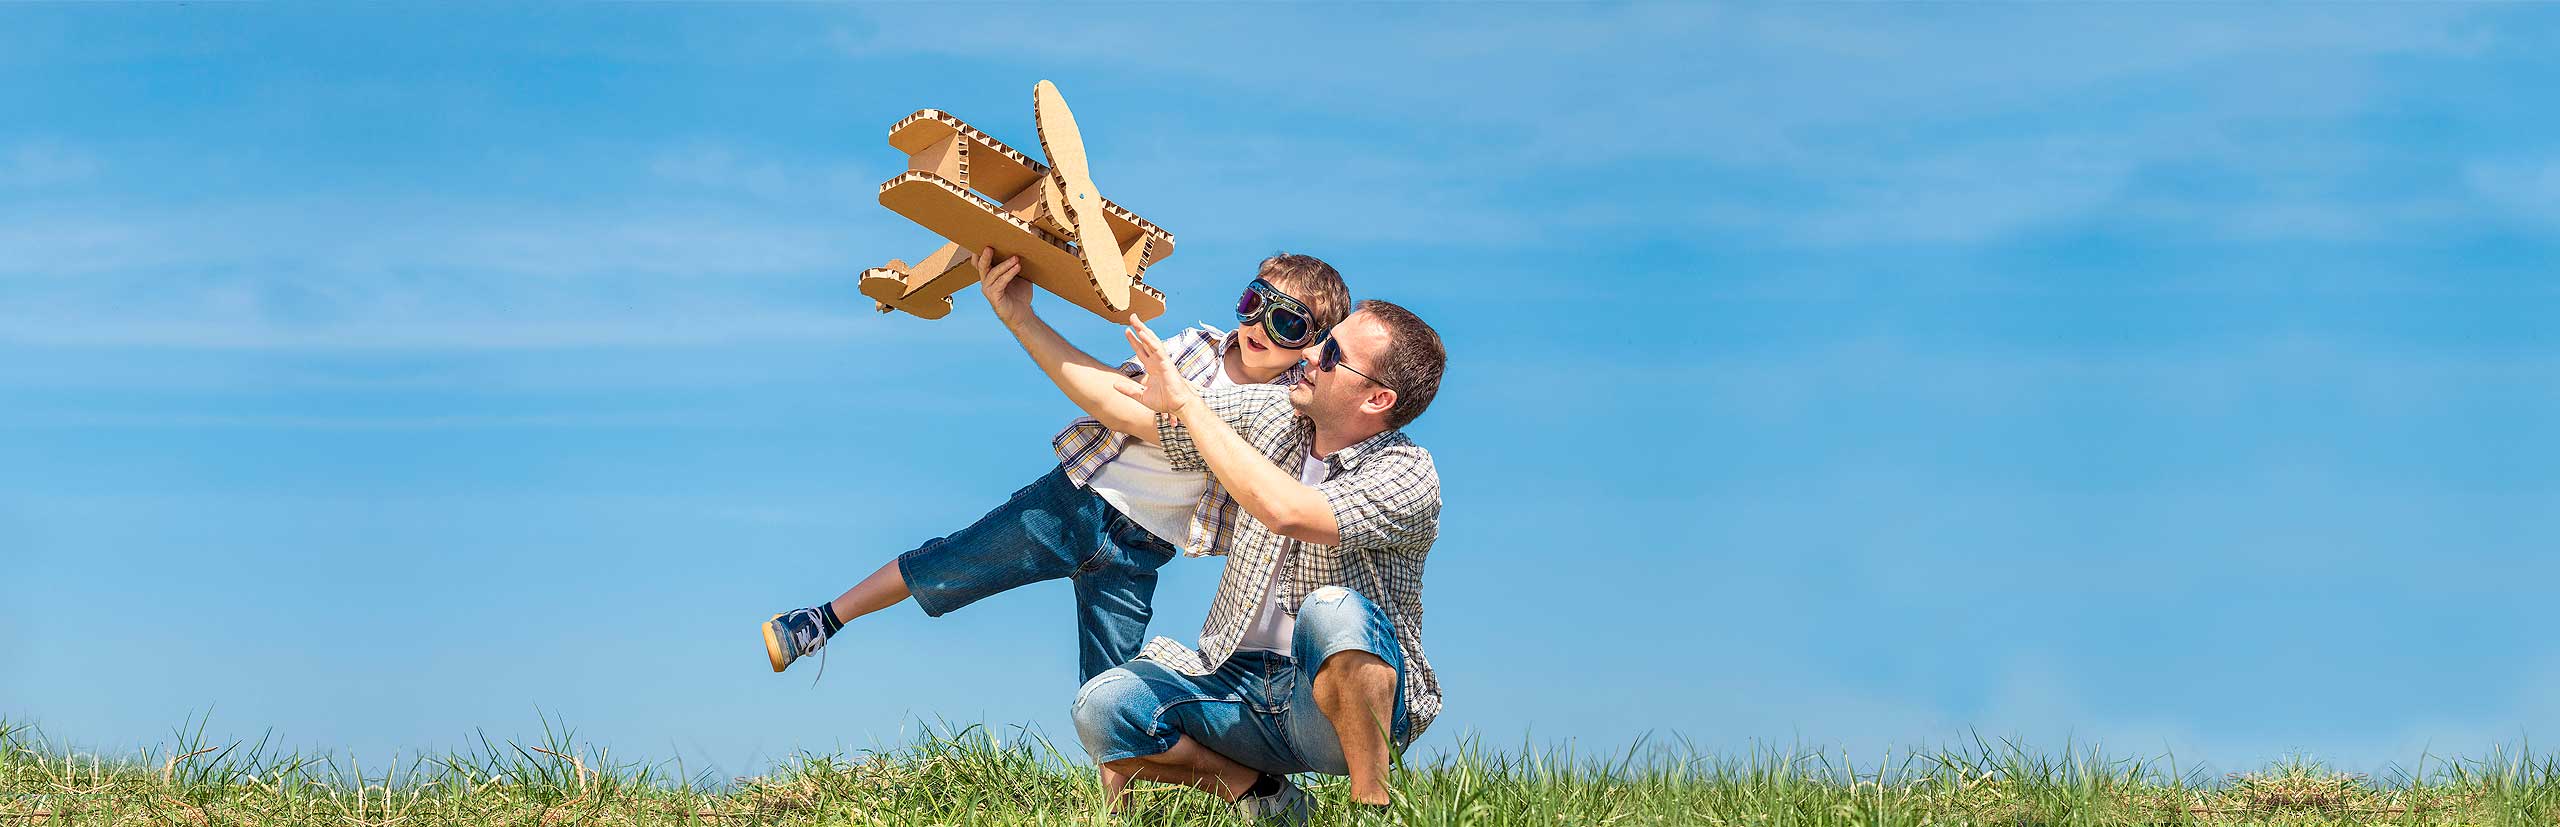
x: 773, y: 645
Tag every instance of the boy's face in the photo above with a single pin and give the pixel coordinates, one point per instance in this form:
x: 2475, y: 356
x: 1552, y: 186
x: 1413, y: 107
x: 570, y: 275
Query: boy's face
x: 1260, y: 353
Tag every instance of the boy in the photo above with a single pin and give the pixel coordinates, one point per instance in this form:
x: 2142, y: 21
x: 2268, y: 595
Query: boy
x: 1113, y: 510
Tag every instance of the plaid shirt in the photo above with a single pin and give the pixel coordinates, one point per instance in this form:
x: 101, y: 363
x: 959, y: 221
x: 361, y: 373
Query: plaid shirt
x: 1086, y: 445
x: 1385, y: 495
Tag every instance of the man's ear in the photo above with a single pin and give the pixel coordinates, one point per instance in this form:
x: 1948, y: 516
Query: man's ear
x: 1379, y: 402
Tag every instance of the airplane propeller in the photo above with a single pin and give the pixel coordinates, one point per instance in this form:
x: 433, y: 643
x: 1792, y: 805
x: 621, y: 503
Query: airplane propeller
x: 1073, y: 185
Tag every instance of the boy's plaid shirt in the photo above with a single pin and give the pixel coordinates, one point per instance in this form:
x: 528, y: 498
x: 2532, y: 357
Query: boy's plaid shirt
x: 1085, y: 446
x: 1385, y: 496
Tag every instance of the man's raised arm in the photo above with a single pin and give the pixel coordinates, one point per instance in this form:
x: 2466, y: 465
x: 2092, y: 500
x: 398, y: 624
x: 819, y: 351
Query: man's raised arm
x: 1290, y: 507
x: 1086, y: 381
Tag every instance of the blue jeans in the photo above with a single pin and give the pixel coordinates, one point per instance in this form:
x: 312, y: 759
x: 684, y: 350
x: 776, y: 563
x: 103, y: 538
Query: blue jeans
x: 1050, y: 529
x: 1259, y: 708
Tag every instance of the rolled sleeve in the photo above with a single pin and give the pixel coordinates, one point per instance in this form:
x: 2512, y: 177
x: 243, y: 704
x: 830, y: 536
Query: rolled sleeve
x: 1254, y: 411
x: 1186, y: 348
x: 1390, y: 502
x: 1176, y: 442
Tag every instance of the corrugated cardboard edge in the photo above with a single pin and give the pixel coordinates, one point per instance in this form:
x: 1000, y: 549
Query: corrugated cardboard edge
x: 1158, y: 241
x: 1150, y: 306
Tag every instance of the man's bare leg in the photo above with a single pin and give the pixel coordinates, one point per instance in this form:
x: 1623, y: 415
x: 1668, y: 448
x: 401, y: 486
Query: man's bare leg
x: 1356, y: 691
x: 1188, y: 764
x: 1115, y: 788
x: 883, y: 589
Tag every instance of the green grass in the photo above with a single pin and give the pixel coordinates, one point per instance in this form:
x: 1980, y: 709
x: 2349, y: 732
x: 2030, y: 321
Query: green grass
x: 970, y: 776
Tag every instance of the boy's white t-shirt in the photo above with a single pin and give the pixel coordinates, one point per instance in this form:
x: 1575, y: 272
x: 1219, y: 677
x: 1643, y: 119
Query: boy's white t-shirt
x: 1272, y: 627
x: 1141, y: 483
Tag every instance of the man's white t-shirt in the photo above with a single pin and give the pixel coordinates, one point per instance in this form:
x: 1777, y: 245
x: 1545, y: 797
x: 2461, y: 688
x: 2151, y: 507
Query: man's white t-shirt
x: 1273, y: 627
x: 1141, y: 483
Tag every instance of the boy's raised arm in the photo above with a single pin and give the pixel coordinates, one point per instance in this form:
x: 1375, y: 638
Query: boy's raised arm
x: 1090, y: 384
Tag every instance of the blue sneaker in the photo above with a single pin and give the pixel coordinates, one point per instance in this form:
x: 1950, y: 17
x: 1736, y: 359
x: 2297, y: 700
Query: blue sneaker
x: 792, y: 634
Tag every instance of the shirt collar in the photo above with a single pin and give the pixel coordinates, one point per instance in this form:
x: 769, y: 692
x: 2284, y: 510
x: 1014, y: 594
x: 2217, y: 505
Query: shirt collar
x: 1349, y: 458
x: 1224, y: 338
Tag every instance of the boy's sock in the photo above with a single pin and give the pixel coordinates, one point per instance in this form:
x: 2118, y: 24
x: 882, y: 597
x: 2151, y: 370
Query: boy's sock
x: 827, y: 616
x: 1266, y: 785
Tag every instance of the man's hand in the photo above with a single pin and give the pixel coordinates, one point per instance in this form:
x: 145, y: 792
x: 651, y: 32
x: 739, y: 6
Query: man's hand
x: 1010, y: 296
x: 1165, y: 390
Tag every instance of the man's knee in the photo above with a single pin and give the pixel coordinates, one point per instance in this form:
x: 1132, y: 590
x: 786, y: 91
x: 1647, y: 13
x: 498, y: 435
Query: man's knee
x: 1331, y: 594
x: 1114, y: 713
x: 1104, y: 703
x: 1333, y: 607
x: 1333, y: 616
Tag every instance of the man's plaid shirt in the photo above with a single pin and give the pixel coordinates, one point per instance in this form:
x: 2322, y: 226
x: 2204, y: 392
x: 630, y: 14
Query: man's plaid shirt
x: 1385, y: 495
x: 1085, y: 446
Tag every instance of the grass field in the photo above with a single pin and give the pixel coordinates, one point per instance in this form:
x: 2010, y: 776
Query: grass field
x: 971, y: 776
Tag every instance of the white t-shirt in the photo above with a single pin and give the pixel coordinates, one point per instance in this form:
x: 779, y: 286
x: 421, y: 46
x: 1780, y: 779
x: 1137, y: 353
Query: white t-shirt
x: 1141, y: 483
x: 1273, y: 627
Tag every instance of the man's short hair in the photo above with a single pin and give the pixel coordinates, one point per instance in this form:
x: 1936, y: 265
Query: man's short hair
x: 1413, y: 361
x: 1313, y: 283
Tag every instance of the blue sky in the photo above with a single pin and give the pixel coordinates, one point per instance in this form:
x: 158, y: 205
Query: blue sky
x: 2174, y: 377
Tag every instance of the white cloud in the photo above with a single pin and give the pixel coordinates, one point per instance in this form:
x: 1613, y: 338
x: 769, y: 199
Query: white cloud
x: 33, y: 165
x: 2528, y: 189
x: 43, y: 246
x: 358, y: 275
x: 392, y: 325
x: 1877, y: 124
x: 2220, y: 384
x: 725, y: 169
x: 1882, y: 124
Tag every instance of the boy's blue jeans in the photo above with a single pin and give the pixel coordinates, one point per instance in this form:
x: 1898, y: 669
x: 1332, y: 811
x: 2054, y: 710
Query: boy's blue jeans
x: 1051, y: 529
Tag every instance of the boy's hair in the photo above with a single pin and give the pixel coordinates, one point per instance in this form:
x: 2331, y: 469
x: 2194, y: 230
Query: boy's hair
x: 1413, y: 361
x: 1313, y: 283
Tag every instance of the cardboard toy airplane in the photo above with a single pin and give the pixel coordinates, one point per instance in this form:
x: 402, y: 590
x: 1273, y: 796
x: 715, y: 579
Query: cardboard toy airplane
x: 976, y: 192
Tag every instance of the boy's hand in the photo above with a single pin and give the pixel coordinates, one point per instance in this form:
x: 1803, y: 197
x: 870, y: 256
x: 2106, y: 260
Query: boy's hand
x: 1010, y: 296
x: 1165, y: 390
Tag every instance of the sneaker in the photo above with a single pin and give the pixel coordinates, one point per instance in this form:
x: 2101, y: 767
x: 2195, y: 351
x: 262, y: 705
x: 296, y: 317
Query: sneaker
x: 1289, y: 806
x: 792, y: 634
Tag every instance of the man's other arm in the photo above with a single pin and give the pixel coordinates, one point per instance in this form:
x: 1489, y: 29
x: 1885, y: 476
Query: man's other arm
x: 1194, y: 429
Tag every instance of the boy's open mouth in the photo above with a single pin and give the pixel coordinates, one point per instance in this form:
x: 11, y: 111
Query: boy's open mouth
x: 1257, y: 347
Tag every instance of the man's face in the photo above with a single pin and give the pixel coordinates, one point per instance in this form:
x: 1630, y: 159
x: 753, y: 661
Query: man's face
x: 1338, y: 396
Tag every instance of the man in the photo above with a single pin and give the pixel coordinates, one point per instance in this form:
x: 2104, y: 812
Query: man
x: 1311, y: 658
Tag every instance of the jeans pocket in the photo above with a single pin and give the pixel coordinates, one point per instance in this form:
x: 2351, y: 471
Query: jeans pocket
x: 1150, y: 554
x: 1271, y: 693
x: 1094, y: 562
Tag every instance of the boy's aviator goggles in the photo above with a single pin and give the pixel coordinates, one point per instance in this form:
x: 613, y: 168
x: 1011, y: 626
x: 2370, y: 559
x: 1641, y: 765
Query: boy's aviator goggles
x: 1285, y: 318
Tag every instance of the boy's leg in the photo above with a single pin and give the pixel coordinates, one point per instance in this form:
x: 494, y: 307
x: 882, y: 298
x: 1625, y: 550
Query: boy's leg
x: 1044, y: 531
x: 1115, y: 596
x: 883, y: 589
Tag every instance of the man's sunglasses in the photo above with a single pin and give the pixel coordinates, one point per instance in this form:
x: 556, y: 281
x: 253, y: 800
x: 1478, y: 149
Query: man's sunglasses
x: 1330, y: 357
x: 1285, y: 318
